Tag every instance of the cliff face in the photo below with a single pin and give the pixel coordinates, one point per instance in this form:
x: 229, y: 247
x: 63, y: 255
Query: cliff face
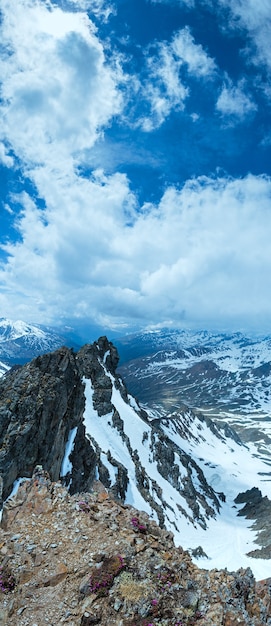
x: 86, y: 559
x: 40, y: 403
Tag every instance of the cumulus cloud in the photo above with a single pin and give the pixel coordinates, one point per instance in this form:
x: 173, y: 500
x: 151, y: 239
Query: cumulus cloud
x: 56, y: 99
x: 59, y: 91
x: 203, y: 249
x: 62, y: 256
x: 234, y: 102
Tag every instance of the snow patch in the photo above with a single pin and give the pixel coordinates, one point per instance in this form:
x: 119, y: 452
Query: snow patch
x: 66, y: 466
x: 15, y: 487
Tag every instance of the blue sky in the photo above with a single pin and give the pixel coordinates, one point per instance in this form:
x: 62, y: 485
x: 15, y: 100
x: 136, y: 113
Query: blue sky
x: 135, y: 166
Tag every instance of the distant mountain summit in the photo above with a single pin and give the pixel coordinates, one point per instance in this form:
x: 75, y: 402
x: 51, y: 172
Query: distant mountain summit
x: 20, y: 342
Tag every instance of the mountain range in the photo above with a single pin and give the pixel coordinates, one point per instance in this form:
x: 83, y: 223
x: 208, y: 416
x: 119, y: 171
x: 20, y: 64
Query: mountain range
x: 224, y: 376
x: 20, y: 342
x: 71, y: 413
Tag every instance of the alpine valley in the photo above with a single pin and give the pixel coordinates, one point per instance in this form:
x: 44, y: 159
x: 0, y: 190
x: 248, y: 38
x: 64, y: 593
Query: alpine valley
x: 227, y: 377
x: 191, y: 451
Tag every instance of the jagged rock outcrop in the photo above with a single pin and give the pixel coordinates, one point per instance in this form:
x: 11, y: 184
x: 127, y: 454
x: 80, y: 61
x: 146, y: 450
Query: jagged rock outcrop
x: 39, y: 404
x: 86, y: 559
x: 92, y: 361
x: 257, y: 508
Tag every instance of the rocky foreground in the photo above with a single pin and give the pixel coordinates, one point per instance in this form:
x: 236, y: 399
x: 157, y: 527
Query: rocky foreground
x: 88, y: 559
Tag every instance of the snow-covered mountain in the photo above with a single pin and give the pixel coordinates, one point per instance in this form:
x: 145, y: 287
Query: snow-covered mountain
x: 193, y: 476
x: 227, y: 377
x: 71, y: 413
x: 184, y: 472
x: 20, y: 342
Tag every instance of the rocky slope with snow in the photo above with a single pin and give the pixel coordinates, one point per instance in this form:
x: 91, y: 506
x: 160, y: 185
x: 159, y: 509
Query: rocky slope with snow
x: 71, y: 413
x: 227, y: 377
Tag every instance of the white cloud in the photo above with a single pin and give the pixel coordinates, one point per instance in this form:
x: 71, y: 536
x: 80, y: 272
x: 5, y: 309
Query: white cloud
x: 164, y: 89
x: 218, y: 264
x: 203, y: 250
x: 198, y: 62
x: 189, y: 3
x: 58, y: 90
x: 234, y: 102
x: 250, y: 13
x: 169, y: 64
x: 102, y: 8
x: 58, y: 93
x: 255, y: 17
x: 64, y: 252
x: 5, y: 158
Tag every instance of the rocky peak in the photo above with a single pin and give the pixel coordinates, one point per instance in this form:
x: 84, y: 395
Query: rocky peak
x: 91, y: 357
x: 43, y: 402
x: 40, y: 404
x: 95, y: 362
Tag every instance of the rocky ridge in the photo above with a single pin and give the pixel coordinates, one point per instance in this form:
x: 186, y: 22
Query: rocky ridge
x: 72, y: 414
x: 43, y: 402
x: 87, y: 559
